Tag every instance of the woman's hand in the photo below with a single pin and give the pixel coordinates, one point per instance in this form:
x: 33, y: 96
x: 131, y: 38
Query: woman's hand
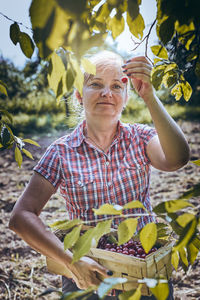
x: 138, y: 69
x: 85, y: 272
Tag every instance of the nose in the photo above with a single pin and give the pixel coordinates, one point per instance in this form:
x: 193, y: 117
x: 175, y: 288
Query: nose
x: 106, y: 92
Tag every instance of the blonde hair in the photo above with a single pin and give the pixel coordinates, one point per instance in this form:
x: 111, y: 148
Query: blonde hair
x: 104, y: 60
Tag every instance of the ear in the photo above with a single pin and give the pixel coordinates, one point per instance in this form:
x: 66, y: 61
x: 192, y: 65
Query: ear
x: 78, y: 96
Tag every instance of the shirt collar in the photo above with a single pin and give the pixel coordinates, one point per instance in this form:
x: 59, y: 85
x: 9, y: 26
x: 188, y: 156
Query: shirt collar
x: 77, y: 136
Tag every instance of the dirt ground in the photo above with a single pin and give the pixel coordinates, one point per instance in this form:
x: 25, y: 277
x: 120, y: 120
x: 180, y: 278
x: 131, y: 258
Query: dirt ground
x: 23, y: 273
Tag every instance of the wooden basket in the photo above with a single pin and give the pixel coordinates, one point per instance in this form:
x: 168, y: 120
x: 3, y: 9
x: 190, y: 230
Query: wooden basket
x: 130, y: 267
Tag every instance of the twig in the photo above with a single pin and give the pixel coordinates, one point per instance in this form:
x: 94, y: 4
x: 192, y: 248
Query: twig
x: 147, y: 40
x: 19, y: 23
x: 121, y: 216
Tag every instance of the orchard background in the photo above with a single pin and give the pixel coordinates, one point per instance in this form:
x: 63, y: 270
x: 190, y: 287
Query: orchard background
x: 39, y: 99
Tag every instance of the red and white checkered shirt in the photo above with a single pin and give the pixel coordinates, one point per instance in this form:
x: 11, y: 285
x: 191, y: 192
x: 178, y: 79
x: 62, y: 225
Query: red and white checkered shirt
x: 88, y: 177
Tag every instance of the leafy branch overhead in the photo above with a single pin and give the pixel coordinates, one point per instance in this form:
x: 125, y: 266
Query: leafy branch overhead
x: 77, y: 26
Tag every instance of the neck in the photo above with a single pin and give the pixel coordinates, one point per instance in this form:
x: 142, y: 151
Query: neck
x: 101, y: 134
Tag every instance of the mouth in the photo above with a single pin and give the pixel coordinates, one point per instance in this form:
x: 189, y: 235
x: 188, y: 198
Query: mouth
x: 105, y: 103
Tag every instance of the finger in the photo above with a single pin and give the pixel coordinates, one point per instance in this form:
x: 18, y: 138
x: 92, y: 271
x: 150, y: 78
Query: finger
x: 142, y: 77
x: 139, y: 65
x: 136, y: 71
x: 100, y: 269
x: 139, y: 58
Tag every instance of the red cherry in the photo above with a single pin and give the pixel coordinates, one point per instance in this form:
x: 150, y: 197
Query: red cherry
x: 124, y: 79
x: 125, y: 252
x: 140, y: 251
x: 125, y: 249
x: 132, y: 251
x: 112, y: 249
x: 119, y: 251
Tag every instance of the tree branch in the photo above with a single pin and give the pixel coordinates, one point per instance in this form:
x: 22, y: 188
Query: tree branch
x: 19, y: 23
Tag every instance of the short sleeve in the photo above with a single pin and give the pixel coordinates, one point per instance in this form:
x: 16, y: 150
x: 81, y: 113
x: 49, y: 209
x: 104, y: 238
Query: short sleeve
x: 49, y: 166
x: 146, y: 132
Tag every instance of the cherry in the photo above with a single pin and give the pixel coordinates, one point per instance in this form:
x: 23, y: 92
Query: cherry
x: 113, y: 249
x: 132, y: 251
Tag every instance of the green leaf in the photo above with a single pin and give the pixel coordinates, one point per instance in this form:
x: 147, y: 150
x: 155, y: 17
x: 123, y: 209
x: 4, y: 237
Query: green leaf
x: 29, y: 141
x: 133, y: 9
x: 5, y: 136
x: 161, y: 291
x: 192, y: 253
x: 83, y: 244
x: 89, y: 67
x: 18, y: 156
x: 103, y: 13
x: 177, y: 91
x: 69, y: 79
x: 3, y: 89
x: 7, y: 114
x: 159, y: 51
x: 116, y: 26
x: 89, y: 238
x: 14, y: 33
x: 193, y: 192
x: 58, y: 70
x: 183, y: 255
x: 196, y: 162
x: 66, y: 224
x: 184, y: 219
x: 107, y: 209
x: 157, y: 76
x: 132, y: 294
x: 134, y: 204
x: 102, y: 228
x: 148, y: 236
x: 26, y: 44
x: 27, y: 153
x: 175, y: 259
x: 126, y: 229
x: 108, y: 284
x: 136, y: 26
x: 187, y: 234
x: 166, y: 30
x: 196, y: 242
x: 79, y: 79
x: 72, y: 237
x: 50, y: 25
x: 187, y: 91
x: 175, y: 205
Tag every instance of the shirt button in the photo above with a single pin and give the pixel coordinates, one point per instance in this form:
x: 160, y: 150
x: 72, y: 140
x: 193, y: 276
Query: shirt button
x: 107, y: 163
x: 109, y: 183
x: 79, y: 182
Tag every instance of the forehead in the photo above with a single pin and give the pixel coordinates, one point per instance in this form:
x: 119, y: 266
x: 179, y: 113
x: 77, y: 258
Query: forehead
x: 113, y: 71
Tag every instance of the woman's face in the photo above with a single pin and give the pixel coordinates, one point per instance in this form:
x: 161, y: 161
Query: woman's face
x: 104, y: 94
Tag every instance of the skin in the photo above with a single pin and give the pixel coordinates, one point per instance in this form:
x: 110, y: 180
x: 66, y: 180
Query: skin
x: 104, y: 97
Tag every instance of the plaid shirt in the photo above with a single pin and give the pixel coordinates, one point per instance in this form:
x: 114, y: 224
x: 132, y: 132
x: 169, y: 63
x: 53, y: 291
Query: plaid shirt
x: 88, y: 177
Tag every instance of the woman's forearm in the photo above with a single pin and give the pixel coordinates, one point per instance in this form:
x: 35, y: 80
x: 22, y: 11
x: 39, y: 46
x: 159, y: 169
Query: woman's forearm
x: 171, y: 137
x: 31, y: 229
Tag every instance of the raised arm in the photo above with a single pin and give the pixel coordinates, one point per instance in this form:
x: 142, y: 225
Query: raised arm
x: 169, y: 150
x: 26, y: 223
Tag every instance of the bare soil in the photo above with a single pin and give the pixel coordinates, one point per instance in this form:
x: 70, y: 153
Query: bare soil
x: 23, y: 272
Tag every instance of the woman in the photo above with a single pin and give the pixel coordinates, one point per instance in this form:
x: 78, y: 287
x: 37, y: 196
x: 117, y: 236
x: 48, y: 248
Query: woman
x: 101, y: 161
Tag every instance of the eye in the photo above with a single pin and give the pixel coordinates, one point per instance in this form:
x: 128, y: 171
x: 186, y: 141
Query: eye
x: 117, y: 86
x: 95, y: 84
